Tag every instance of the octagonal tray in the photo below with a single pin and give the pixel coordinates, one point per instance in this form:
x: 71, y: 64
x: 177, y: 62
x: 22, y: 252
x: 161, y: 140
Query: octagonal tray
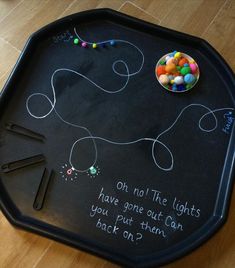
x: 97, y: 155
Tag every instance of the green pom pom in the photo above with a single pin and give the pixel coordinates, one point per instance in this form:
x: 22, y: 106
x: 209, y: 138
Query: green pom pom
x: 185, y: 70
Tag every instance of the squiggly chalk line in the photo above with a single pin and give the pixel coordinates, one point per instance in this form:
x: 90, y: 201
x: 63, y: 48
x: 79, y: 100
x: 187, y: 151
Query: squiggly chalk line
x: 127, y: 74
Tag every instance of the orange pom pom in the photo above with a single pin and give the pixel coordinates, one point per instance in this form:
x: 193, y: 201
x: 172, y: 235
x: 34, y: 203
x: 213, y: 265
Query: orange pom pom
x: 177, y: 74
x: 170, y: 68
x: 172, y: 60
x: 183, y: 61
x: 160, y: 70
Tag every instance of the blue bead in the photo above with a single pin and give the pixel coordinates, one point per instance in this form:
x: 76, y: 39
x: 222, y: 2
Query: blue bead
x: 186, y: 65
x: 112, y: 42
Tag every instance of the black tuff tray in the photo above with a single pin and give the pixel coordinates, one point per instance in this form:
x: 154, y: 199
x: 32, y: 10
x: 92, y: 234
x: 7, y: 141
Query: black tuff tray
x: 97, y: 155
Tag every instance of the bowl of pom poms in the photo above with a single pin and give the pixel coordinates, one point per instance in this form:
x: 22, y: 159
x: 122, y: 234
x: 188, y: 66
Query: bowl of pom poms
x: 177, y: 72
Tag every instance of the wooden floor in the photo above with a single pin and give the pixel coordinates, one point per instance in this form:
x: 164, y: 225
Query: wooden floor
x: 214, y: 20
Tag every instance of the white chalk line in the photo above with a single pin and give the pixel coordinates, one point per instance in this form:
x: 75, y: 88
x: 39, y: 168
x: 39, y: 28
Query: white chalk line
x: 128, y: 74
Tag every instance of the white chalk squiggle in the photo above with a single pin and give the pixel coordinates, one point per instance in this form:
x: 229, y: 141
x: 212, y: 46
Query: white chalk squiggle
x: 52, y: 103
x: 126, y: 75
x: 157, y: 139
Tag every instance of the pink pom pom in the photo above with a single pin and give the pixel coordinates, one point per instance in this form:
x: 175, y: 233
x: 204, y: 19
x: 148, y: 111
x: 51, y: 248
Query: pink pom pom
x: 193, y: 68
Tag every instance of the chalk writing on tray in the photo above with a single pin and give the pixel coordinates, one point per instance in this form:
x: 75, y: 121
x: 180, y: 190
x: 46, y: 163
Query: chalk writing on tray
x: 123, y: 213
x: 63, y: 37
x: 229, y: 119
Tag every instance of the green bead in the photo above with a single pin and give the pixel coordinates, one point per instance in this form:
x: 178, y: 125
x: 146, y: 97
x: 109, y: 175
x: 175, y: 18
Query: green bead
x: 185, y: 70
x: 93, y: 170
x: 76, y: 41
x: 162, y: 62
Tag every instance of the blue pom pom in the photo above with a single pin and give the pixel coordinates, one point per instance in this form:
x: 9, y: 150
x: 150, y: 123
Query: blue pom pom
x: 181, y: 87
x: 189, y: 79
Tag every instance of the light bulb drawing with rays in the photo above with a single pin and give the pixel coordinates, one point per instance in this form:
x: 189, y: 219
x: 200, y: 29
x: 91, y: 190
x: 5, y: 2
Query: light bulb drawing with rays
x: 67, y: 173
x: 93, y: 171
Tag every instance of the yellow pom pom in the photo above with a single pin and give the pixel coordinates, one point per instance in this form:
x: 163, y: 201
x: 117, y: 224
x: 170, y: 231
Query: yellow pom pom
x: 177, y: 55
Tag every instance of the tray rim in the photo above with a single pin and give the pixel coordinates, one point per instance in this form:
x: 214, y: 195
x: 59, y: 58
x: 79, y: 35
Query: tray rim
x: 224, y: 194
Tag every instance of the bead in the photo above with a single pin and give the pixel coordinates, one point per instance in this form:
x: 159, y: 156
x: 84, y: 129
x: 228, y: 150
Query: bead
x: 94, y: 45
x: 179, y: 80
x: 162, y: 62
x: 112, y: 42
x: 172, y: 81
x: 163, y: 79
x: 76, y: 41
x: 84, y: 44
x: 189, y: 78
x: 186, y: 65
x: 185, y: 70
x: 160, y: 70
